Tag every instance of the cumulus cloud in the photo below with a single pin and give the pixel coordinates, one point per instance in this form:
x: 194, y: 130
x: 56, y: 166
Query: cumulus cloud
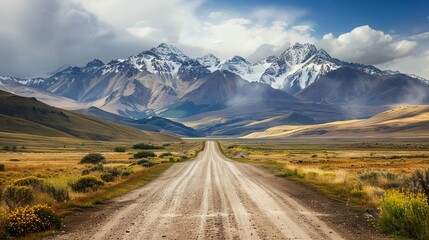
x: 366, y: 45
x: 415, y: 64
x: 421, y: 36
x: 227, y: 36
x: 38, y: 36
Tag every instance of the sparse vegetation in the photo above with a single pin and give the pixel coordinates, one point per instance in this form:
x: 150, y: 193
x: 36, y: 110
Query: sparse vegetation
x: 167, y: 154
x: 16, y: 196
x: 120, y: 149
x: 144, y: 154
x: 31, y: 219
x: 93, y: 158
x: 405, y: 214
x: 370, y: 175
x: 86, y: 183
x: 145, y: 163
x: 45, y: 175
x: 145, y: 146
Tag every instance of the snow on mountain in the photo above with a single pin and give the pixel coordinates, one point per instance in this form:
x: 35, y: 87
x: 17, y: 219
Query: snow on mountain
x: 161, y: 76
x: 295, y: 69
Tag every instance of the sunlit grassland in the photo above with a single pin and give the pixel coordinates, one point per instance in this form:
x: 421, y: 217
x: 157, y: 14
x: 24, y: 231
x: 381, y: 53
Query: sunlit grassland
x: 341, y: 170
x: 358, y: 174
x: 57, y: 163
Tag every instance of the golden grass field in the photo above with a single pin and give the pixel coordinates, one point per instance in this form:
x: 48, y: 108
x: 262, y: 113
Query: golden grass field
x: 334, y: 167
x: 56, y: 162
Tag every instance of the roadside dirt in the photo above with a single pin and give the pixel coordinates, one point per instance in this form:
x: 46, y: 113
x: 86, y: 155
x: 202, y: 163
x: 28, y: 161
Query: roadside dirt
x: 213, y: 197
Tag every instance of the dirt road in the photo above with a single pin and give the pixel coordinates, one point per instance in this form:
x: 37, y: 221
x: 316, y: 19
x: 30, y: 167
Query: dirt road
x: 210, y: 197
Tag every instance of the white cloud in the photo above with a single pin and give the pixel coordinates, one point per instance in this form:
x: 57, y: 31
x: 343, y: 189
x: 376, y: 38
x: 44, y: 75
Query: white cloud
x: 40, y: 35
x: 366, y: 45
x: 415, y: 64
x: 420, y: 36
x: 215, y: 15
x: 140, y: 29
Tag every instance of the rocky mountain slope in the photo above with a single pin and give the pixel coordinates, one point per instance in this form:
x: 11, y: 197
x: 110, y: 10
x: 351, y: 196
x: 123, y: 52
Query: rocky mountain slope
x: 163, y: 81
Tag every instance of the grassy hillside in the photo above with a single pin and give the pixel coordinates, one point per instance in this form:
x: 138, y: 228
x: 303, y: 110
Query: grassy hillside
x: 400, y: 122
x: 29, y: 116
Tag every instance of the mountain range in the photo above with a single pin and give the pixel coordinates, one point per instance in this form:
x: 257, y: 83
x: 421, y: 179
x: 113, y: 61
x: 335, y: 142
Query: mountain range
x: 227, y: 97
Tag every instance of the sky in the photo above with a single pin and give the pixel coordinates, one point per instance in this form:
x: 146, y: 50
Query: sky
x: 40, y: 36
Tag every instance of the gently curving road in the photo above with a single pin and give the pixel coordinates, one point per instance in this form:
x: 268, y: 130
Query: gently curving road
x: 210, y: 197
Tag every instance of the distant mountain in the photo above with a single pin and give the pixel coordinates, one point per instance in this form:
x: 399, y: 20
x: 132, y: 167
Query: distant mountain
x: 295, y: 69
x: 29, y: 116
x: 399, y: 122
x: 164, y: 82
x: 351, y: 86
x: 153, y: 124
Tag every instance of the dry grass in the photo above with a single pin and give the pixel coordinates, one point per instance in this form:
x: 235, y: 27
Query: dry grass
x: 357, y: 173
x: 60, y: 166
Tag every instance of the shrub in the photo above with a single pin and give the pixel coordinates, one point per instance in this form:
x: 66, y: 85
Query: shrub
x: 59, y: 194
x: 41, y: 185
x: 93, y: 158
x: 38, y: 184
x: 145, y: 146
x: 86, y: 183
x: 107, y: 177
x: 15, y: 196
x: 97, y: 168
x: 23, y: 221
x: 1, y: 167
x: 420, y: 182
x: 167, y: 154
x: 120, y: 149
x: 144, y: 154
x: 404, y: 214
x: 145, y: 163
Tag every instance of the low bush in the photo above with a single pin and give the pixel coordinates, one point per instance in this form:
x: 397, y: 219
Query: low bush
x: 144, y: 154
x: 404, y: 214
x: 60, y: 194
x: 38, y: 184
x: 17, y: 196
x: 419, y: 182
x: 86, y: 183
x: 107, y: 177
x: 120, y: 149
x: 145, y: 146
x: 1, y: 167
x: 93, y: 158
x: 31, y: 219
x: 97, y: 168
x: 145, y: 163
x: 167, y: 154
x: 41, y: 185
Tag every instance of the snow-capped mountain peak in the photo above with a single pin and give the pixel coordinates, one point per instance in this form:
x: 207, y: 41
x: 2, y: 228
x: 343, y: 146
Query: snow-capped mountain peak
x: 169, y: 52
x: 209, y: 61
x: 298, y: 53
x: 95, y: 63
